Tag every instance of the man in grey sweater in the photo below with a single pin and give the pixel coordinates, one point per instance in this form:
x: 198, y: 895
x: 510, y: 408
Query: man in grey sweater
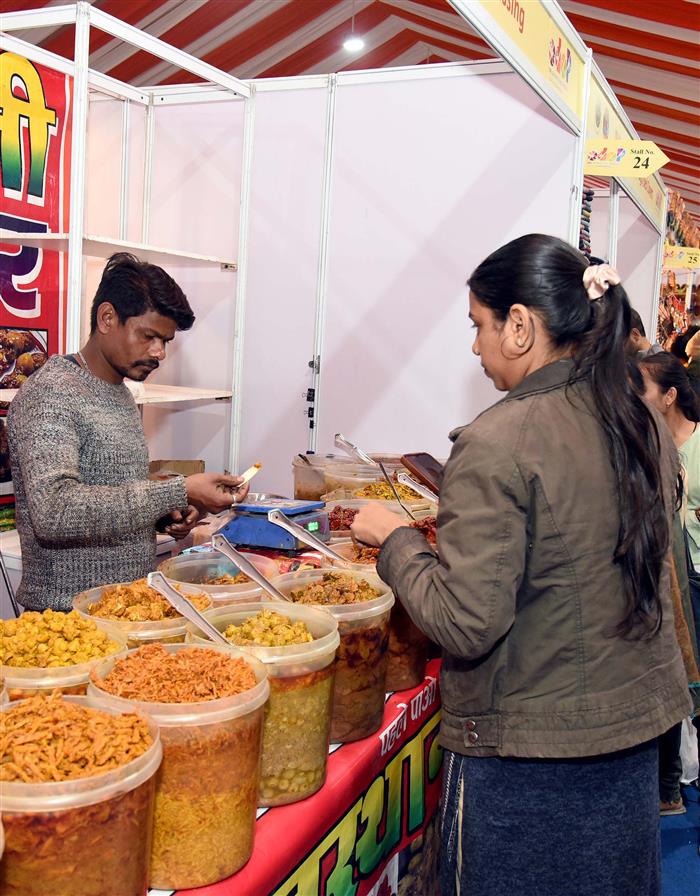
x: 86, y: 509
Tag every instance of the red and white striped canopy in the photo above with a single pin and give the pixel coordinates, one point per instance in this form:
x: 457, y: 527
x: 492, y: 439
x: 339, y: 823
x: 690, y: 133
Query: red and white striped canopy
x: 648, y: 50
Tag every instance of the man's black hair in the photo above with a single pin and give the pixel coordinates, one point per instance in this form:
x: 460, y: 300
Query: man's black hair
x: 135, y: 287
x: 636, y: 323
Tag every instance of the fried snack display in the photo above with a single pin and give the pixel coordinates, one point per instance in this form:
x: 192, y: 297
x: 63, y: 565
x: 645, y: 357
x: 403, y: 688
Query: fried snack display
x: 381, y: 491
x: 208, y: 785
x: 227, y: 579
x: 96, y: 841
x: 335, y: 588
x: 268, y: 629
x: 137, y: 602
x: 50, y: 639
x: 341, y: 518
x: 151, y: 674
x: 362, y: 553
x: 361, y: 660
x: 428, y: 527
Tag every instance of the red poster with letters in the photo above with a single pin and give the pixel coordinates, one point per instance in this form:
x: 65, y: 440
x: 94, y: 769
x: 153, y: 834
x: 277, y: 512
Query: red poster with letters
x: 35, y: 153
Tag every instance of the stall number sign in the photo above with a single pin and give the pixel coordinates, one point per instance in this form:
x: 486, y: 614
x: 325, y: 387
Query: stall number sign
x: 681, y: 258
x: 623, y: 158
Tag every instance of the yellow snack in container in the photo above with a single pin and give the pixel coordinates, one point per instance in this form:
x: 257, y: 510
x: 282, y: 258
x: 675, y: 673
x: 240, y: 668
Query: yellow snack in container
x: 208, y: 702
x: 43, y: 652
x: 297, y: 644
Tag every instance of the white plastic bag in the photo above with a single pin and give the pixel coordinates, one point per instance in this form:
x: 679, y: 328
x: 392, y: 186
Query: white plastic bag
x: 689, y: 752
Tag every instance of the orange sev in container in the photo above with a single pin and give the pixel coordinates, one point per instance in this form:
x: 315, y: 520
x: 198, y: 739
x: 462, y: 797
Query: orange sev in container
x: 78, y: 787
x: 209, y: 705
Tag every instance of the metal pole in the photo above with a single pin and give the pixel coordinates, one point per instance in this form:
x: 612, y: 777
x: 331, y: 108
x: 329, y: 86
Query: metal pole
x: 124, y: 174
x: 579, y: 157
x: 322, y: 273
x: 614, y: 222
x: 234, y: 441
x: 77, y: 177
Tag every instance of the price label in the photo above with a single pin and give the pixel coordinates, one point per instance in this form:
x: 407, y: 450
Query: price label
x: 623, y: 158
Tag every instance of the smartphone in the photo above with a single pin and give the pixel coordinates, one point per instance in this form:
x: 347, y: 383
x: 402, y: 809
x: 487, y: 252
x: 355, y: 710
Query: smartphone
x: 425, y: 468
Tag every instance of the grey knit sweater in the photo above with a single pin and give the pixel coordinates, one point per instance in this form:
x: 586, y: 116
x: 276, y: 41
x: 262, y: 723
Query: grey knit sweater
x: 86, y: 510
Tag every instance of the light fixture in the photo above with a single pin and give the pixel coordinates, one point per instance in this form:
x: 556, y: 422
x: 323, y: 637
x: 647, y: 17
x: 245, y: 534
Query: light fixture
x: 353, y: 43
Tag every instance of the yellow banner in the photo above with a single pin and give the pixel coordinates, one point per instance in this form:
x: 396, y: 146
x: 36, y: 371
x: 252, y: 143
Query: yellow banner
x: 605, y: 123
x: 681, y: 258
x: 550, y: 56
x: 623, y: 158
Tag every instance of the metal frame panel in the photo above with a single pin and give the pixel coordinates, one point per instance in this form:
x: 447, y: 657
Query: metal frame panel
x: 44, y: 17
x: 77, y: 177
x: 166, y: 52
x: 614, y: 222
x: 659, y: 271
x: 234, y: 439
x: 422, y: 72
x: 577, y: 187
x: 36, y: 54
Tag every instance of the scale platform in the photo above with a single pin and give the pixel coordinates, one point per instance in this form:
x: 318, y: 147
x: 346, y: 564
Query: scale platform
x: 251, y: 527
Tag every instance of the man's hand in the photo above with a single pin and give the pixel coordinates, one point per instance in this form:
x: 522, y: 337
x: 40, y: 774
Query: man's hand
x: 182, y: 522
x: 214, y: 492
x: 374, y: 524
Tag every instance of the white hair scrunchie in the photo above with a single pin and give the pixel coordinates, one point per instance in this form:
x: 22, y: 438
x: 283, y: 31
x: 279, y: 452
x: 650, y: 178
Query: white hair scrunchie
x: 597, y: 278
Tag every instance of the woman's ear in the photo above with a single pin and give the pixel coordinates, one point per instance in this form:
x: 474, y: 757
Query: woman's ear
x: 670, y: 396
x: 521, y: 328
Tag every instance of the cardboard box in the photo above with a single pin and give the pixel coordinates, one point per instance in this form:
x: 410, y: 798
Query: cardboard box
x: 181, y: 467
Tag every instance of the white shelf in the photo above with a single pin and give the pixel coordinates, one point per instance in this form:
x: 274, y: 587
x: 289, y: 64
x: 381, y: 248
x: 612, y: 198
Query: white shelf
x: 103, y: 247
x: 157, y: 394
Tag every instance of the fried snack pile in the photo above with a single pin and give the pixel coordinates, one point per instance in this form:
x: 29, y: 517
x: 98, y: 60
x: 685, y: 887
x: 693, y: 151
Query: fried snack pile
x: 381, y: 491
x: 51, y: 639
x: 341, y: 518
x: 50, y: 739
x: 137, y: 602
x: 269, y: 629
x: 190, y: 675
x: 362, y: 553
x: 335, y: 588
x: 227, y: 579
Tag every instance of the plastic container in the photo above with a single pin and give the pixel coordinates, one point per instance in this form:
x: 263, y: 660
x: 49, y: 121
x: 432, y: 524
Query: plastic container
x: 298, y: 714
x: 207, y: 789
x: 408, y: 646
x: 310, y: 478
x: 197, y: 568
x: 167, y: 631
x: 360, y: 671
x: 351, y: 477
x: 85, y: 837
x: 23, y: 681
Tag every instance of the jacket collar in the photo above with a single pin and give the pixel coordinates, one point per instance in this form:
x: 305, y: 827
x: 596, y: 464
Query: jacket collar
x: 545, y: 379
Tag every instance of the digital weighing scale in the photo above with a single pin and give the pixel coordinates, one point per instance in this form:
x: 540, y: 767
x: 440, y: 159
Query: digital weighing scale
x: 251, y: 527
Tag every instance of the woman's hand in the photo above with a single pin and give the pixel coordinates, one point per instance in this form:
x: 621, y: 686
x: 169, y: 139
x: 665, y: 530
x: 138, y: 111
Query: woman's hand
x: 374, y: 524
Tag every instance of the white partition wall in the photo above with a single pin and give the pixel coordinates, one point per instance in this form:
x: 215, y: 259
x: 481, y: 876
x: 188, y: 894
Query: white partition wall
x: 600, y: 225
x: 638, y: 260
x: 430, y: 174
x: 284, y: 238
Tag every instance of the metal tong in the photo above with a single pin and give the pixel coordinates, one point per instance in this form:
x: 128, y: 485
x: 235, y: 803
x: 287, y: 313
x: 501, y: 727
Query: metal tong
x: 283, y: 521
x: 353, y: 450
x: 224, y: 546
x: 159, y: 583
x: 393, y: 488
x: 418, y: 487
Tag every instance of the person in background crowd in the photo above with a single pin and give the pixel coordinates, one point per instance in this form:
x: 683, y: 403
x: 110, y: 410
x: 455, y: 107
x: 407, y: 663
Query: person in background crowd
x: 668, y: 388
x: 637, y: 342
x: 549, y: 592
x: 86, y: 509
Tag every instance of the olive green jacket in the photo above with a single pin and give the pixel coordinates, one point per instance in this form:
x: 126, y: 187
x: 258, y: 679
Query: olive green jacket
x: 525, y: 597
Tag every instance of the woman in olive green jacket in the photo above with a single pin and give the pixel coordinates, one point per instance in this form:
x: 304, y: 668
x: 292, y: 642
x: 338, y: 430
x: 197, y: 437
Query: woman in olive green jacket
x: 550, y: 596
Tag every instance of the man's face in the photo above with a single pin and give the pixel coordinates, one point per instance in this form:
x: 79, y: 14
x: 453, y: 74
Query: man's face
x: 136, y: 347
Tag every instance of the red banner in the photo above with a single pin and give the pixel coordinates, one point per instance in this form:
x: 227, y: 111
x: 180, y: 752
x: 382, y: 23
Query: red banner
x: 35, y: 151
x: 372, y: 829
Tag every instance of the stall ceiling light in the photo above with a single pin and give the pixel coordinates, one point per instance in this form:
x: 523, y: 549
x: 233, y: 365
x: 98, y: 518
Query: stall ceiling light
x: 353, y: 44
